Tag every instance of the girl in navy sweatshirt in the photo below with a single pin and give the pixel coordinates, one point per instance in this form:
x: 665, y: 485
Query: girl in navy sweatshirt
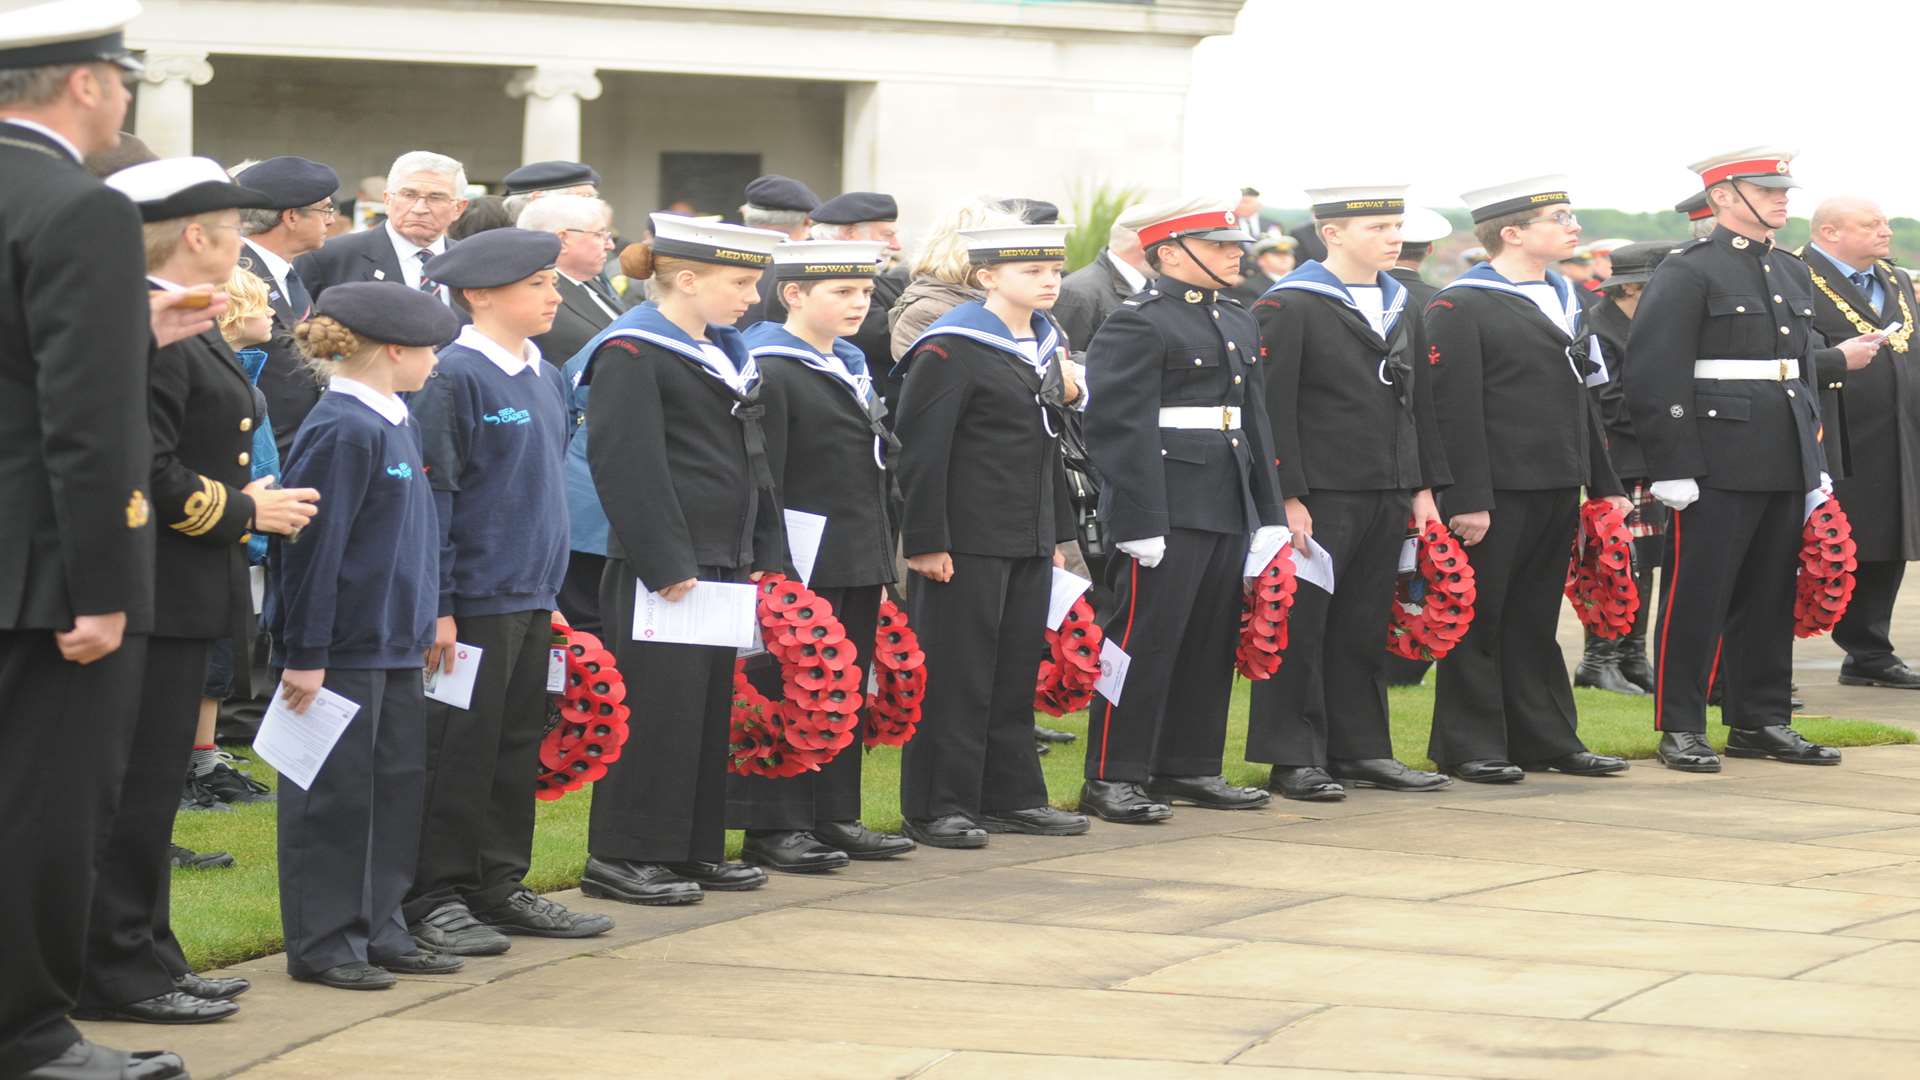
x: 351, y: 604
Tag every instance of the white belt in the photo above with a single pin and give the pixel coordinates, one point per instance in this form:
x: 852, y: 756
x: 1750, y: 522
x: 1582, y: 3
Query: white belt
x: 1762, y: 370
x: 1201, y: 417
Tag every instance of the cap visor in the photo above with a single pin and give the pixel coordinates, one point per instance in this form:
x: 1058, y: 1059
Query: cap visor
x: 1775, y: 181
x: 126, y: 62
x: 1631, y: 277
x: 1231, y: 236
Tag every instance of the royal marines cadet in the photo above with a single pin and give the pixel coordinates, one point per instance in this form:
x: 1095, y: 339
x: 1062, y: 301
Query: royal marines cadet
x: 1512, y: 359
x: 985, y: 504
x: 202, y: 416
x: 1178, y: 432
x: 1722, y: 400
x: 678, y: 458
x: 296, y: 223
x: 76, y: 545
x: 1349, y: 394
x: 827, y: 446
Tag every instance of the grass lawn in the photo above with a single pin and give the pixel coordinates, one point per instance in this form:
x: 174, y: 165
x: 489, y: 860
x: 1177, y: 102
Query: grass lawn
x: 225, y: 916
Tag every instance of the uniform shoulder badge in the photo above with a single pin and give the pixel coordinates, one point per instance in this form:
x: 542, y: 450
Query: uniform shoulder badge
x: 1194, y: 296
x: 137, y: 511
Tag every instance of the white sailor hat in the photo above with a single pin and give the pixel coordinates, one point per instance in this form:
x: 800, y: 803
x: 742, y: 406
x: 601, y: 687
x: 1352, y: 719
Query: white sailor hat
x: 714, y: 241
x: 1016, y: 243
x: 815, y: 260
x: 172, y: 188
x: 1366, y: 200
x: 1607, y: 247
x: 67, y: 32
x: 1503, y: 199
x: 1424, y: 226
x: 1203, y: 218
x: 1761, y: 166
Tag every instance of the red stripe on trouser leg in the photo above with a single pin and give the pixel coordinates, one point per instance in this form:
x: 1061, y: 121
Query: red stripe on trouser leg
x: 1133, y: 600
x: 1714, y: 671
x: 1666, y: 621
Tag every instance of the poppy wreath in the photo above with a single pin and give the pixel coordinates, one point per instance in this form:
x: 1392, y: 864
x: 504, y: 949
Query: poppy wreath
x: 1263, y: 621
x: 586, y: 722
x: 819, y: 705
x: 1828, y: 558
x: 1072, y: 664
x: 1425, y: 624
x: 899, y: 680
x: 1600, y: 575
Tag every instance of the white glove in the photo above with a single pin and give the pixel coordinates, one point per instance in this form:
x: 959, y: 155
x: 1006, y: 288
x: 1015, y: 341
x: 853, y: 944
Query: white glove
x: 1267, y: 536
x: 1826, y: 485
x: 1148, y: 552
x: 1676, y: 494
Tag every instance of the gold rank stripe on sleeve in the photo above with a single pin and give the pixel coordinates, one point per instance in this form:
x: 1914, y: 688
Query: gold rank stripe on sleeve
x: 204, y: 509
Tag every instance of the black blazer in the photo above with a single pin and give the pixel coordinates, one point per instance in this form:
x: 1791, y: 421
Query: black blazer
x: 361, y: 256
x: 75, y: 453
x: 290, y: 387
x: 203, y: 417
x: 1612, y: 326
x: 574, y: 324
x: 1087, y: 297
x: 820, y: 444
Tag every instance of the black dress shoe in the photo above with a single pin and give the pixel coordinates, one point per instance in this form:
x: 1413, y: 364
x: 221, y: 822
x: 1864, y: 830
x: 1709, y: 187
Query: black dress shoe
x: 1687, y: 751
x: 1489, y: 771
x: 1122, y: 803
x: 230, y: 785
x: 91, y: 1061
x: 1305, y: 783
x: 422, y: 962
x: 1386, y: 774
x: 636, y: 883
x: 1580, y: 763
x: 1035, y: 821
x: 211, y: 989
x: 451, y: 928
x: 187, y: 859
x: 529, y: 913
x: 947, y: 831
x: 172, y: 1007
x: 1894, y: 676
x: 197, y: 797
x: 791, y: 851
x: 1047, y: 734
x: 1207, y: 792
x: 352, y: 976
x: 860, y: 842
x: 1781, y: 743
x: 719, y: 876
x: 1042, y: 747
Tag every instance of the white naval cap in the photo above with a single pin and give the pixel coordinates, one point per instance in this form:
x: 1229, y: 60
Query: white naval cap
x: 181, y: 187
x: 1204, y: 217
x: 815, y: 260
x: 67, y: 32
x: 1363, y: 200
x: 1761, y: 166
x: 1503, y: 199
x: 1016, y: 243
x: 714, y: 241
x: 1424, y: 226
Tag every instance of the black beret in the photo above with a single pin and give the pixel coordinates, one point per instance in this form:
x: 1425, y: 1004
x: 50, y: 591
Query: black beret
x: 496, y: 257
x: 780, y: 193
x: 549, y: 176
x: 389, y: 312
x: 854, y: 207
x: 291, y: 182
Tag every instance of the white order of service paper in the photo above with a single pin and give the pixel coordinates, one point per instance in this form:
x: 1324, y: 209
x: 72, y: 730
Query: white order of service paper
x: 713, y: 613
x: 1067, y: 587
x: 455, y: 687
x: 297, y: 744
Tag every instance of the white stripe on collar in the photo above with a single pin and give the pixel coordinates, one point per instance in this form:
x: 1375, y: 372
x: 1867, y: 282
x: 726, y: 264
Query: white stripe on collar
x: 860, y: 385
x: 1389, y: 318
x: 739, y: 381
x: 1045, y: 347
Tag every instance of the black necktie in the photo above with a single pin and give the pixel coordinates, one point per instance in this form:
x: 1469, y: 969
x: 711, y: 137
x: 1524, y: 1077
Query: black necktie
x: 604, y: 291
x: 299, y: 300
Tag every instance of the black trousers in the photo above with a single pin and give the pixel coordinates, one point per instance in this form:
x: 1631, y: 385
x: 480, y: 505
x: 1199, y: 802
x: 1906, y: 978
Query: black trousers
x: 1865, y: 630
x: 131, y: 951
x: 833, y: 793
x: 348, y: 844
x: 984, y: 633
x: 476, y: 833
x: 1502, y: 693
x: 665, y: 800
x: 1329, y: 698
x: 53, y: 824
x: 580, y: 592
x: 1731, y: 565
x: 1178, y: 624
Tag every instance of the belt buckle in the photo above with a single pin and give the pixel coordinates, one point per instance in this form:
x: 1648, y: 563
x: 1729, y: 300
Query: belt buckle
x: 1783, y: 371
x: 1226, y: 418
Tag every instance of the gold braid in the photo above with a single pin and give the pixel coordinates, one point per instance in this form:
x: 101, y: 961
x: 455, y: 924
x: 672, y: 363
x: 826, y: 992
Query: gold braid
x: 1900, y: 338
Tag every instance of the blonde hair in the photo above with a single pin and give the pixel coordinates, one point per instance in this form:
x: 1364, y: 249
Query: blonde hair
x: 639, y: 262
x: 943, y: 251
x: 331, y: 348
x: 246, y: 299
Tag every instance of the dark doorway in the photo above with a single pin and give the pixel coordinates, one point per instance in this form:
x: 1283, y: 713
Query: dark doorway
x: 713, y: 183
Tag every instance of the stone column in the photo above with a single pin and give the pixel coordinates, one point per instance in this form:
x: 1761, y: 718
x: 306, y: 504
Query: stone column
x: 553, y: 95
x: 163, y: 114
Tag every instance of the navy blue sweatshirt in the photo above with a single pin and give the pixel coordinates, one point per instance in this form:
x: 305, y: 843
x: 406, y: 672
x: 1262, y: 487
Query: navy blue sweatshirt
x: 496, y: 447
x: 357, y: 589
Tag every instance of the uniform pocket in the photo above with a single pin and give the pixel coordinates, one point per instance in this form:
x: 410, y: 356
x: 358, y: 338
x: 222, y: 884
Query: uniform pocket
x: 1722, y: 406
x: 1736, y: 304
x: 1193, y: 358
x: 1178, y: 448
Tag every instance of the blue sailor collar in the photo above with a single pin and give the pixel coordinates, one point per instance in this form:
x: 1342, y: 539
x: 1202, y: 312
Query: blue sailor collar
x: 774, y: 339
x: 645, y: 323
x: 1314, y: 277
x: 973, y: 320
x: 1484, y: 276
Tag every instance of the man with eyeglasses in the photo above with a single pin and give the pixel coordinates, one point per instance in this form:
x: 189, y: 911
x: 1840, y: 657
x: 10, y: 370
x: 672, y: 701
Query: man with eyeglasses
x: 302, y: 192
x: 587, y: 303
x: 1512, y: 358
x: 425, y: 195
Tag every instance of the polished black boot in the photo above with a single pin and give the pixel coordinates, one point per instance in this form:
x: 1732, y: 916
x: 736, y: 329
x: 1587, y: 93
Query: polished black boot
x: 1630, y: 652
x: 1600, y: 668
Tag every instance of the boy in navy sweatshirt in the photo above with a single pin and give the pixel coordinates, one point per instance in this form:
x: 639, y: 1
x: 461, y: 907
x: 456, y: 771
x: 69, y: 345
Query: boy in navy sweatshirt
x: 494, y: 421
x: 350, y: 605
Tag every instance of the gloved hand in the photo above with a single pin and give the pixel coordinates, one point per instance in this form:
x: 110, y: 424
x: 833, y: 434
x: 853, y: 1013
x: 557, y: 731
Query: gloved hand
x: 1271, y: 536
x: 1826, y: 485
x: 1676, y: 494
x: 1148, y: 552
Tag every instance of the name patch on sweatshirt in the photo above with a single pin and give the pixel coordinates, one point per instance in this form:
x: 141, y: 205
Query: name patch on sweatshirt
x: 508, y: 415
x: 402, y: 471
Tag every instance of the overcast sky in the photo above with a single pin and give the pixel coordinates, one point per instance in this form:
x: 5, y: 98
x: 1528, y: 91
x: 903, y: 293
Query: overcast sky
x: 1619, y: 95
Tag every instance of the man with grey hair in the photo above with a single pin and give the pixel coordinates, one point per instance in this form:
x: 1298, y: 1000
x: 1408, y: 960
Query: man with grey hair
x: 587, y: 304
x: 532, y: 182
x: 426, y: 192
x: 1091, y: 293
x: 780, y: 203
x: 302, y: 192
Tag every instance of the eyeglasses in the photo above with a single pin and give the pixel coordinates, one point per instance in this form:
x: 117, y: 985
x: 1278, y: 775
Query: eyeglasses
x: 602, y: 234
x: 329, y: 212
x: 435, y: 200
x: 1562, y: 218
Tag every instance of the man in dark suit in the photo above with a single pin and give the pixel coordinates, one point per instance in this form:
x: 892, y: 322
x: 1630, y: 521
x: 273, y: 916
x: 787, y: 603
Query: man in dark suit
x: 302, y: 193
x: 425, y: 194
x: 1091, y: 293
x: 1877, y: 398
x: 76, y: 550
x: 587, y: 303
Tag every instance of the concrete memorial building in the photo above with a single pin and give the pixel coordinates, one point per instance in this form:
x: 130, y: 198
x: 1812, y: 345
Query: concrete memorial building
x: 936, y: 100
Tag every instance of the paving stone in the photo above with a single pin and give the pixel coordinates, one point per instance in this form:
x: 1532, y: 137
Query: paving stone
x: 1348, y: 976
x: 1694, y: 900
x: 1463, y: 930
x: 1894, y: 964
x: 1864, y: 790
x: 696, y: 999
x: 1900, y: 879
x: 1517, y: 1048
x: 974, y: 1065
x: 1897, y: 928
x: 1798, y: 1007
x: 1897, y: 841
x: 1710, y: 811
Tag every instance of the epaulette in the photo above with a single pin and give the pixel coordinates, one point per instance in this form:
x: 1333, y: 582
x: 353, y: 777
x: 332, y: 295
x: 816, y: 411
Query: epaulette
x: 1234, y: 300
x: 1695, y: 245
x: 1145, y: 296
